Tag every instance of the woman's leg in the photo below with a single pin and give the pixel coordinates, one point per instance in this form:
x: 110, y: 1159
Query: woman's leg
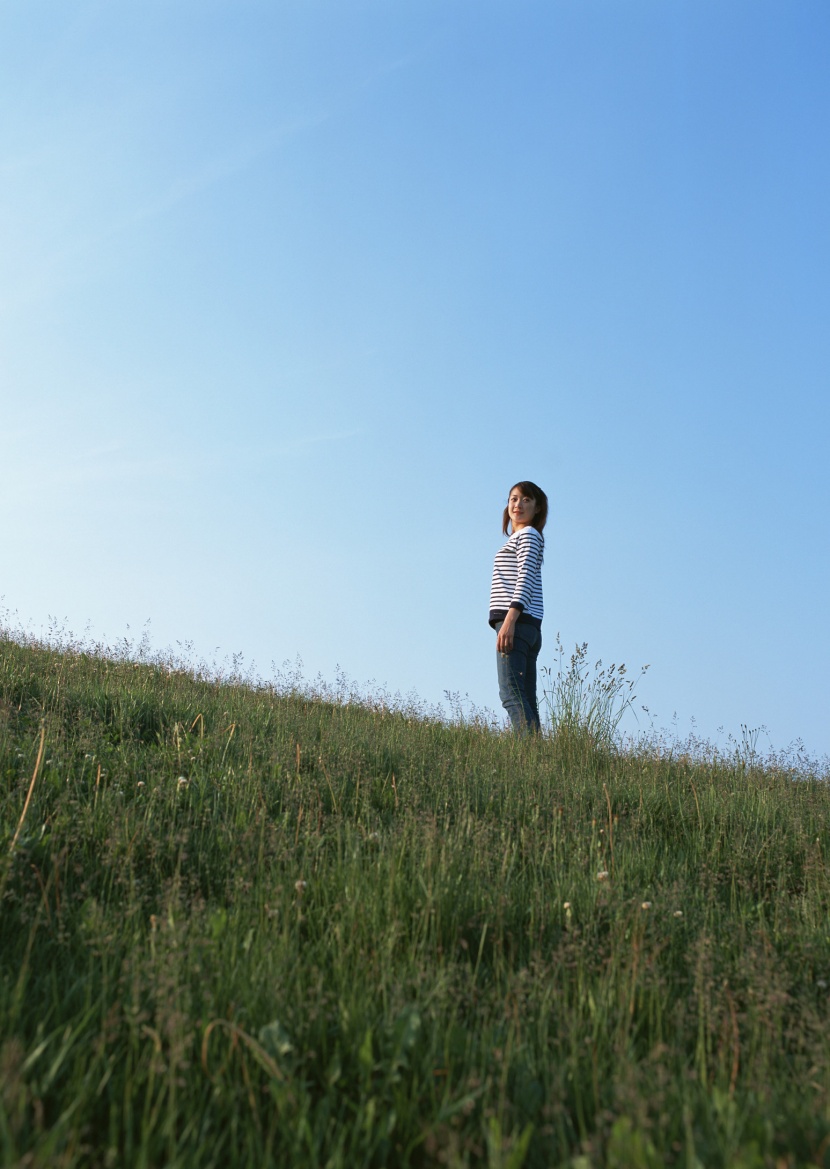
x: 530, y: 683
x: 517, y: 677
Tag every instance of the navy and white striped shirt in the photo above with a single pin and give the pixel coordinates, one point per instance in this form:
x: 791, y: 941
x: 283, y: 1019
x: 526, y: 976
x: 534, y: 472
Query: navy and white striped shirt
x: 517, y: 578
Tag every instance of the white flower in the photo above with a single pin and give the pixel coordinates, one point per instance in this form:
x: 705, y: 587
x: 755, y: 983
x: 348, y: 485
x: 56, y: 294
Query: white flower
x: 678, y: 913
x: 301, y: 886
x: 646, y: 905
x: 821, y: 983
x: 566, y: 905
x: 141, y: 783
x: 182, y: 781
x: 603, y: 875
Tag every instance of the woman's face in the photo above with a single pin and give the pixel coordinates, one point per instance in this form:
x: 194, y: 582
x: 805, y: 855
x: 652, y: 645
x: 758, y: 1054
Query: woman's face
x: 521, y: 509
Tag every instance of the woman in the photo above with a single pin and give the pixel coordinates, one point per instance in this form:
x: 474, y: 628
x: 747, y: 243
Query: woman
x: 516, y: 608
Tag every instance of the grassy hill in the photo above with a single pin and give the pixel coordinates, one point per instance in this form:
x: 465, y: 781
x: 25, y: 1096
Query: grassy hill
x: 240, y: 927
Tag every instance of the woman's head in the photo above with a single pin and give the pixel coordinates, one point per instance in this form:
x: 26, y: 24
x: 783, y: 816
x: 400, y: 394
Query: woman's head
x: 527, y: 504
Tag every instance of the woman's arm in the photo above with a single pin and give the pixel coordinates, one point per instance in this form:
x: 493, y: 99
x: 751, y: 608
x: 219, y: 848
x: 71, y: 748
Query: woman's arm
x: 504, y: 640
x: 528, y: 549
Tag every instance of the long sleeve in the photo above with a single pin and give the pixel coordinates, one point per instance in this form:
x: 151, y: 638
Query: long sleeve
x: 528, y: 561
x: 517, y: 577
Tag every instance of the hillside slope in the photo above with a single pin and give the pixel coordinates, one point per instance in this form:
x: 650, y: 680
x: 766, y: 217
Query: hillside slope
x: 246, y: 928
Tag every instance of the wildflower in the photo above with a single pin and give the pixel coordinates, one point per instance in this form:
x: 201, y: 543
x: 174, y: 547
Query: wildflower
x: 141, y: 783
x: 182, y: 781
x: 821, y: 983
x: 566, y: 905
x: 678, y: 913
x: 603, y: 875
x: 300, y: 886
x: 646, y: 905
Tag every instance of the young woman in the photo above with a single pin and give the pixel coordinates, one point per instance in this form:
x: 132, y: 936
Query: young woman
x: 516, y: 608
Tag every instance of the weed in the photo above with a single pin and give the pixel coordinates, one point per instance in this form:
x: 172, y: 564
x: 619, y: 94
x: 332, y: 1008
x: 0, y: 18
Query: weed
x: 581, y: 700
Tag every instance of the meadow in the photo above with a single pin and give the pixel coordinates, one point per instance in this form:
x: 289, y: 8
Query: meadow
x: 247, y: 925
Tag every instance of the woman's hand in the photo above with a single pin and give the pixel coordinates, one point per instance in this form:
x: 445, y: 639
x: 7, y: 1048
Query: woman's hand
x: 504, y: 639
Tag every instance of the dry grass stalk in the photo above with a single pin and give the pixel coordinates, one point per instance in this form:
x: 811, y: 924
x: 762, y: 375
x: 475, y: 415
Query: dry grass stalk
x: 29, y: 792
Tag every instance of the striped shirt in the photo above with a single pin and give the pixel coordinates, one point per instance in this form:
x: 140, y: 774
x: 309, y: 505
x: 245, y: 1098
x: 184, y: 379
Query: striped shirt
x: 517, y: 578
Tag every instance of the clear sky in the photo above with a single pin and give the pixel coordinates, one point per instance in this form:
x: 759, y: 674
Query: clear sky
x: 291, y: 292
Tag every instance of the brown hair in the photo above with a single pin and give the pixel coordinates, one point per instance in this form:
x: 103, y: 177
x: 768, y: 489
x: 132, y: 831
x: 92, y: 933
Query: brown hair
x: 539, y: 498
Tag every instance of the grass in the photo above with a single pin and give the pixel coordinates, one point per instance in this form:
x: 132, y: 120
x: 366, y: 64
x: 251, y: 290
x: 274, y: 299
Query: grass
x: 579, y: 698
x: 246, y: 926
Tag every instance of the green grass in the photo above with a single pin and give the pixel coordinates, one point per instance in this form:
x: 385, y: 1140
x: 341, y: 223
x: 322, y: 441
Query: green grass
x: 243, y: 927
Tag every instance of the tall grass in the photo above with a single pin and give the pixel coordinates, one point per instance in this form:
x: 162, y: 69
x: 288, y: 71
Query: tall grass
x: 242, y: 925
x: 584, y: 700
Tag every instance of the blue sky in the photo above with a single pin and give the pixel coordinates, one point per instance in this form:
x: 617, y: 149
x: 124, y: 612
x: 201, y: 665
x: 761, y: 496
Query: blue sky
x: 291, y: 293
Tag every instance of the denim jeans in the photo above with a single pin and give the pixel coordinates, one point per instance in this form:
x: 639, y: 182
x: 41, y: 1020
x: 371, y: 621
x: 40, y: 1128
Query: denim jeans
x: 517, y: 676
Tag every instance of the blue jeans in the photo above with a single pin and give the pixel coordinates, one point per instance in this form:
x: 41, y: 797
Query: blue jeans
x: 517, y: 676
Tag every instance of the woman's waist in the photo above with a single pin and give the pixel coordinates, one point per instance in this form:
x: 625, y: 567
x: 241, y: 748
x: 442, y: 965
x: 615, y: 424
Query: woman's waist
x: 497, y: 615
